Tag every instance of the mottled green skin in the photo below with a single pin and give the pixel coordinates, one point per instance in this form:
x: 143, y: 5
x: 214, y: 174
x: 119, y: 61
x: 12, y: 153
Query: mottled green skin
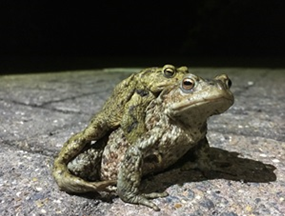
x: 125, y: 109
x: 176, y: 122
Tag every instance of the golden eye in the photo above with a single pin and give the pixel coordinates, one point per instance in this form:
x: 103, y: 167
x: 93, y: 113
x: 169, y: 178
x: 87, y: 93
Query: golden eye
x: 188, y: 83
x: 169, y: 71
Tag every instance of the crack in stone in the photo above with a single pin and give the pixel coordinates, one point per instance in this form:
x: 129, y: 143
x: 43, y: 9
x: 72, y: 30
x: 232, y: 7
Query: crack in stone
x: 39, y: 150
x: 46, y: 105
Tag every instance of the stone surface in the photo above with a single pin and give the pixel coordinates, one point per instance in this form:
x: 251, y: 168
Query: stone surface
x: 39, y: 112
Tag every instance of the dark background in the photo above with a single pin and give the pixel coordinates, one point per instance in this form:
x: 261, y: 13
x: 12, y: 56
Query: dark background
x: 47, y: 36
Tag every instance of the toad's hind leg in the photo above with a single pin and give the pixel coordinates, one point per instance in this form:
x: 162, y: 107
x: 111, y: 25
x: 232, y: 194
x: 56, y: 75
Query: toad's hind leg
x: 74, y: 184
x: 65, y: 180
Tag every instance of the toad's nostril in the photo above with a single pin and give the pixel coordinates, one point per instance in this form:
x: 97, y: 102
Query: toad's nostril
x: 229, y: 83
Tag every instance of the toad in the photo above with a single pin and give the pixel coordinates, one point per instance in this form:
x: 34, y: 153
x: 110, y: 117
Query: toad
x: 175, y: 122
x: 125, y: 109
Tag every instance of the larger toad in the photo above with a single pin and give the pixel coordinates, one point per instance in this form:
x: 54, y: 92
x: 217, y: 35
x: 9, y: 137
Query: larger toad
x: 175, y: 123
x: 125, y: 108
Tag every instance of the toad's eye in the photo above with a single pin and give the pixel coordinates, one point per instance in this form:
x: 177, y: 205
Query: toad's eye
x: 168, y: 72
x: 188, y: 84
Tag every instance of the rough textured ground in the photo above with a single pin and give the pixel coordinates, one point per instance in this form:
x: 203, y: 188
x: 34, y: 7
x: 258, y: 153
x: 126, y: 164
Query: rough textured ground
x: 39, y: 112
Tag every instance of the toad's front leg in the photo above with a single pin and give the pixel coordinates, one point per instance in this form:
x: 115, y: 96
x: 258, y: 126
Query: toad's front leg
x: 206, y: 161
x: 129, y: 178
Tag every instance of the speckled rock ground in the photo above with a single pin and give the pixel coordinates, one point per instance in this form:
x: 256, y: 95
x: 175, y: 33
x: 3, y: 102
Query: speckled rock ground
x: 39, y: 112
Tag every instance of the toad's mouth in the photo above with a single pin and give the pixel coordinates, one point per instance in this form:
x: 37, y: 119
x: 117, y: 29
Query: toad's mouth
x: 216, y: 104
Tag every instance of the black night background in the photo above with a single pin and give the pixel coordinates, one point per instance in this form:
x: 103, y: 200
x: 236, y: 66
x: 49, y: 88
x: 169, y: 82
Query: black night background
x: 45, y: 36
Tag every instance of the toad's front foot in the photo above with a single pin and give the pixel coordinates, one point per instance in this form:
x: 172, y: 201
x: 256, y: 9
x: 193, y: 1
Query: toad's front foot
x: 143, y: 199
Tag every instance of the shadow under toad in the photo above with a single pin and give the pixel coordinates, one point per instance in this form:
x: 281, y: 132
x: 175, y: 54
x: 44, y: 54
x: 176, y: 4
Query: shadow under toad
x: 232, y: 168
